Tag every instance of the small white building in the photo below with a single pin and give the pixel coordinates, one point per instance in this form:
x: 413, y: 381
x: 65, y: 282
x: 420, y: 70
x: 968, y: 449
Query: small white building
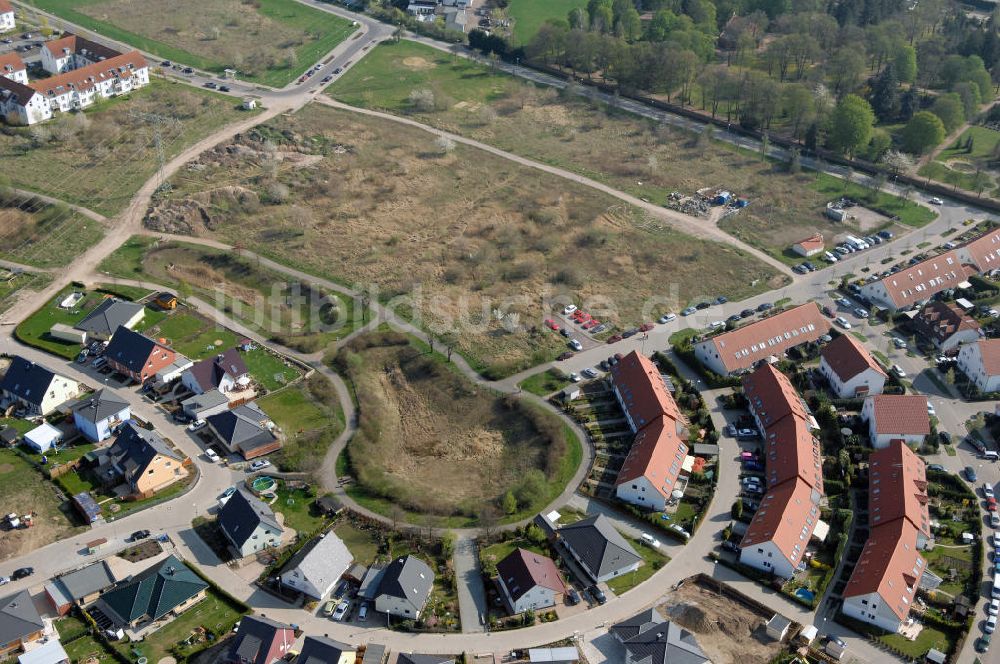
x: 851, y: 369
x: 12, y: 68
x: 7, y: 21
x: 43, y: 438
x: 809, y: 246
x: 980, y: 361
x: 318, y: 566
x: 896, y: 417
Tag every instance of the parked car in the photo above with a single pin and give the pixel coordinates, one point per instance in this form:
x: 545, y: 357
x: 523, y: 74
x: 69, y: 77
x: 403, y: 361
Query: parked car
x: 843, y: 322
x: 197, y: 424
x: 934, y: 200
x: 575, y: 345
x: 572, y: 597
x: 995, y: 523
x: 764, y: 306
x: 649, y: 540
x: 680, y: 531
x: 721, y: 299
x: 565, y: 332
x: 630, y: 333
x: 898, y: 370
x: 983, y: 643
x: 4, y: 580
x: 590, y: 372
x: 703, y: 305
x: 646, y: 327
x: 223, y: 88
x: 988, y: 490
x: 551, y: 324
x: 666, y: 318
x: 260, y: 464
x: 341, y: 611
x: 991, y: 625
x: 82, y: 356
x: 827, y: 311
x: 568, y: 309
x: 22, y: 573
x: 363, y: 612
x: 139, y: 535
x: 614, y: 338
x: 746, y: 434
x: 326, y: 79
x: 746, y: 313
x: 212, y: 455
x: 564, y: 356
x: 860, y: 313
x: 329, y: 607
x: 574, y: 377
x: 970, y: 474
x: 898, y: 343
x: 885, y: 235
x: 936, y: 467
x: 688, y: 311
x: 717, y: 324
x: 598, y: 594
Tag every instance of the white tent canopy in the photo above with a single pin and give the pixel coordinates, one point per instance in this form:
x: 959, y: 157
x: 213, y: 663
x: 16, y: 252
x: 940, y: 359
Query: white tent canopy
x: 43, y: 437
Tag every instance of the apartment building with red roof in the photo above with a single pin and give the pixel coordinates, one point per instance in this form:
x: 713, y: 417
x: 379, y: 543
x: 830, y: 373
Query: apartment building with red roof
x: 850, y: 368
x: 779, y: 533
x: 649, y: 475
x: 893, y: 417
x: 739, y: 350
x: 884, y: 583
x: 980, y: 361
x: 12, y: 67
x: 771, y: 397
x: 8, y: 21
x: 791, y: 451
x: 945, y: 325
x: 897, y: 489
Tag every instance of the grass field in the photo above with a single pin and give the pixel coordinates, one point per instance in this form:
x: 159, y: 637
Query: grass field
x: 545, y: 383
x: 362, y: 544
x: 18, y: 285
x: 647, y: 159
x: 271, y: 42
x: 446, y: 239
x: 652, y: 561
x: 310, y: 419
x: 956, y: 166
x: 529, y: 15
x: 43, y: 235
x: 296, y: 506
x: 439, y: 445
x: 100, y: 158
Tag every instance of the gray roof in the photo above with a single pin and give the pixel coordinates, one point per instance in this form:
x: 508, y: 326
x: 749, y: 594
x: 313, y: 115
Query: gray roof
x: 640, y: 622
x: 665, y: 643
x: 204, y: 401
x: 321, y: 562
x: 408, y: 578
x: 241, y: 515
x: 18, y: 617
x: 600, y: 547
x: 243, y: 427
x: 106, y: 317
x: 374, y: 654
x: 209, y: 373
x: 27, y: 380
x: 321, y: 650
x: 254, y: 638
x: 411, y: 658
x: 86, y: 580
x: 100, y: 406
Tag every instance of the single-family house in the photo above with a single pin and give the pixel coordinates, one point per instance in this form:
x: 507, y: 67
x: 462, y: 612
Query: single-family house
x: 140, y: 459
x: 80, y: 587
x: 896, y: 417
x: 7, y: 22
x: 404, y: 588
x: 43, y: 438
x: 136, y: 356
x: 883, y: 586
x: 809, y: 246
x: 317, y: 567
x: 160, y: 592
x: 529, y: 580
x: 50, y: 652
x: 649, y: 639
x: 100, y: 414
x: 740, y: 349
x: 245, y: 430
x: 600, y: 550
x: 35, y: 388
x: 201, y: 406
x: 945, y: 325
x: 850, y: 368
x: 249, y: 524
x: 226, y: 372
x: 323, y: 650
x: 11, y: 65
x: 109, y: 315
x: 260, y: 640
x: 897, y: 489
x: 980, y: 361
x: 20, y: 623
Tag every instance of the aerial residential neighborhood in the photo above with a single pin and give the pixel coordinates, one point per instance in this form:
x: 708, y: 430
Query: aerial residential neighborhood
x: 499, y: 332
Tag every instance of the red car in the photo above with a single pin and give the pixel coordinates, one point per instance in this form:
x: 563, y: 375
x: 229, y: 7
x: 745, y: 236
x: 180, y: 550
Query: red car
x: 582, y: 318
x: 645, y: 327
x: 991, y: 504
x: 565, y: 356
x: 614, y: 338
x: 551, y: 324
x: 593, y: 322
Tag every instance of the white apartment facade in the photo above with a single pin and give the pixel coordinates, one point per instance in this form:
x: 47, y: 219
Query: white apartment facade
x: 980, y: 361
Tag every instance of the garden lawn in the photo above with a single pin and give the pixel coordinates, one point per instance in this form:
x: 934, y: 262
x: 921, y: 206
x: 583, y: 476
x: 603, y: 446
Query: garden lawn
x: 528, y: 15
x: 64, y: 455
x: 501, y: 550
x: 909, y: 213
x: 652, y: 561
x: 298, y: 512
x: 916, y: 649
x: 545, y: 383
x: 87, y: 647
x: 268, y: 369
x: 293, y: 410
x: 363, y: 545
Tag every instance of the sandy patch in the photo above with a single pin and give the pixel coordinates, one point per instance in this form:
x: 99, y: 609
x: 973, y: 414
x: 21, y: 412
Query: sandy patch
x: 416, y: 62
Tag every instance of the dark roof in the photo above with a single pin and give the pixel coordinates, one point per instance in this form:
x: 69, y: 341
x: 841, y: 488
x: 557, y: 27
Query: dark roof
x: 523, y: 570
x: 241, y: 515
x: 108, y: 316
x: 329, y: 504
x: 86, y: 580
x: 374, y: 654
x: 208, y: 373
x: 601, y: 548
x: 242, y: 427
x: 254, y: 639
x: 637, y: 624
x: 321, y: 650
x: 8, y: 434
x: 130, y: 349
x: 135, y: 448
x: 100, y: 406
x: 86, y: 504
x: 665, y: 643
x: 26, y: 380
x: 410, y: 658
x: 153, y: 593
x: 18, y: 617
x: 19, y: 91
x: 408, y: 578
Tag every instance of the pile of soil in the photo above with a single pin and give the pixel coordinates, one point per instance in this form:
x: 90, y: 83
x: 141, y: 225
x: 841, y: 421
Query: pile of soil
x: 695, y: 619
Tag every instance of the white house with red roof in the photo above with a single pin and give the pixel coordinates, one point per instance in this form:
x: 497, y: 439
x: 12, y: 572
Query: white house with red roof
x: 851, y: 369
x: 897, y: 489
x: 529, y: 580
x: 779, y: 533
x: 809, y: 246
x: 980, y: 361
x: 12, y: 68
x: 896, y: 417
x: 7, y: 20
x: 740, y: 349
x: 649, y: 475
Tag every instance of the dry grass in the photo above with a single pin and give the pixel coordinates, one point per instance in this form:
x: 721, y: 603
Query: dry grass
x: 460, y: 234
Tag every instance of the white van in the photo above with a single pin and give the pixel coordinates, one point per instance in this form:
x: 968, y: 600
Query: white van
x: 996, y: 585
x: 990, y: 455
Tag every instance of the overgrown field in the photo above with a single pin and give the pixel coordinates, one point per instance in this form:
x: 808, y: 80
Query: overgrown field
x: 633, y: 154
x: 436, y: 444
x: 266, y: 41
x: 100, y: 158
x: 310, y: 418
x: 43, y: 235
x: 528, y: 15
x: 464, y: 243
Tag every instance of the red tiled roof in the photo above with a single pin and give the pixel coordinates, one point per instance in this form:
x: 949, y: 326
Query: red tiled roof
x: 983, y: 251
x: 889, y: 565
x: 522, y: 570
x: 792, y: 451
x: 746, y: 345
x: 76, y: 43
x: 657, y: 453
x: 923, y: 280
x: 940, y: 320
x: 85, y: 78
x: 990, y: 351
x: 642, y: 390
x: 901, y: 413
x: 787, y: 516
x: 812, y: 242
x: 897, y: 487
x: 10, y: 60
x: 847, y: 358
x: 5, y: 7
x: 772, y: 396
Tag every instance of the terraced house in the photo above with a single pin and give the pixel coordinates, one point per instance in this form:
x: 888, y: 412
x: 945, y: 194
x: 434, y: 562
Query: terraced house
x: 83, y: 73
x: 7, y: 22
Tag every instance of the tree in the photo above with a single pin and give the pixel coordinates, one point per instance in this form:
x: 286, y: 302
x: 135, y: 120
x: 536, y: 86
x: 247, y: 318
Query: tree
x: 980, y: 181
x: 949, y: 108
x: 800, y: 107
x: 909, y: 103
x: 737, y: 510
x: 922, y: 132
x: 885, y: 95
x: 509, y: 503
x: 422, y: 100
x: 851, y: 125
x: 969, y: 94
x: 905, y: 63
x: 897, y: 162
x: 444, y: 144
